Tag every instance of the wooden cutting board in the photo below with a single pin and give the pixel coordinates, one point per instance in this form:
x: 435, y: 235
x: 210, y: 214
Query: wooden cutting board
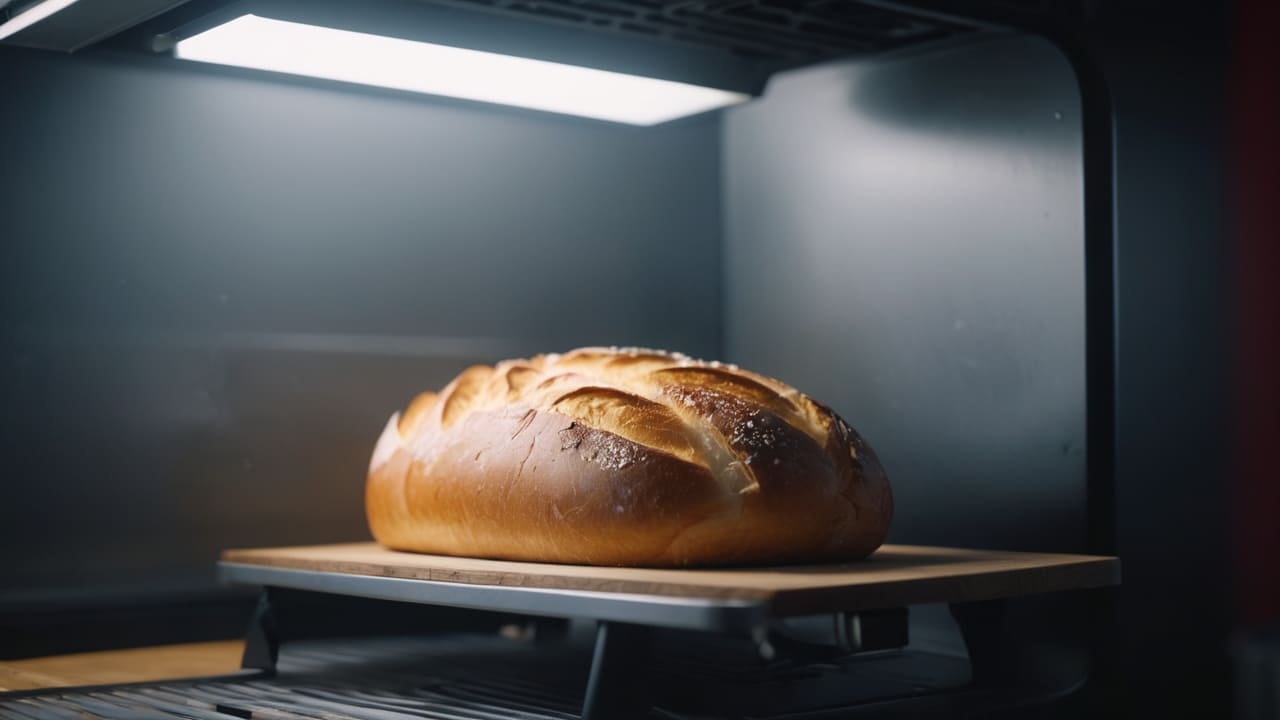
x: 896, y: 575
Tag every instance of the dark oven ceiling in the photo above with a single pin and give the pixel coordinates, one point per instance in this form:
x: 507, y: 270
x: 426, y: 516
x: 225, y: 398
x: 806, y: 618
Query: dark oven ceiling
x: 776, y: 32
x: 769, y: 34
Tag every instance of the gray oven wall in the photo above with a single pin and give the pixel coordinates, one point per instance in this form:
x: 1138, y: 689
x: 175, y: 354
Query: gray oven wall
x: 904, y: 240
x: 217, y: 286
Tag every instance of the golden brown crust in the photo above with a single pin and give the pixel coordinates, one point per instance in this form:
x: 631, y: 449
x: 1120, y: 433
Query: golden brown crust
x: 625, y: 457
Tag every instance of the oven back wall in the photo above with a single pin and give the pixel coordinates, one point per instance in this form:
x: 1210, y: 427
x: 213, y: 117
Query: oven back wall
x: 217, y: 287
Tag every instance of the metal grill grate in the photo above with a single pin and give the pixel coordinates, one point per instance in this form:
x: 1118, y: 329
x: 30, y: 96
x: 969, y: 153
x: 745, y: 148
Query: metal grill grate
x: 268, y: 700
x: 776, y: 32
x: 487, y: 677
x: 484, y: 678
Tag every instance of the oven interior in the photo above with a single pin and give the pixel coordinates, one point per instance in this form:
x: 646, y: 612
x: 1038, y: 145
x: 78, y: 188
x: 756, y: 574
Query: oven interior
x: 220, y: 283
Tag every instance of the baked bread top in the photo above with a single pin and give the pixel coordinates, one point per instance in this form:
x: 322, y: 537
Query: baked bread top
x: 625, y: 456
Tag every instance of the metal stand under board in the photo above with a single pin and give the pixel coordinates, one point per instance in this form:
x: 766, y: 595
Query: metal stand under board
x: 631, y: 605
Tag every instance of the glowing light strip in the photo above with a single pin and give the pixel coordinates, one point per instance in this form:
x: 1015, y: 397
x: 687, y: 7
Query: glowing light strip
x: 297, y: 49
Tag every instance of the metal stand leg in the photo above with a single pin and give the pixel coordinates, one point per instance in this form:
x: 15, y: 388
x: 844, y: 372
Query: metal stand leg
x: 992, y: 652
x: 618, y: 687
x: 262, y: 642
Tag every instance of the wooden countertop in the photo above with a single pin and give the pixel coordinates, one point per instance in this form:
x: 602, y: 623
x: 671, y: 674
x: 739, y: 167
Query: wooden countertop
x: 162, y: 662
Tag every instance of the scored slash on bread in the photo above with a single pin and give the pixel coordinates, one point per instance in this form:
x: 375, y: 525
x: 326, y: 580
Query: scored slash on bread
x: 625, y: 457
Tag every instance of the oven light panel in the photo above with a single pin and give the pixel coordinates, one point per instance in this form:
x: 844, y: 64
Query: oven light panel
x: 309, y: 50
x: 33, y: 15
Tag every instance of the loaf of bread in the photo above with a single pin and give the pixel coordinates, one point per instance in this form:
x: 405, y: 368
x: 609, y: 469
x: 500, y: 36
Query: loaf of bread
x: 634, y: 457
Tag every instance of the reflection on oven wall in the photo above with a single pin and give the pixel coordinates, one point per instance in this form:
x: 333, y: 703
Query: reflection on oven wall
x: 904, y: 238
x: 216, y: 289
